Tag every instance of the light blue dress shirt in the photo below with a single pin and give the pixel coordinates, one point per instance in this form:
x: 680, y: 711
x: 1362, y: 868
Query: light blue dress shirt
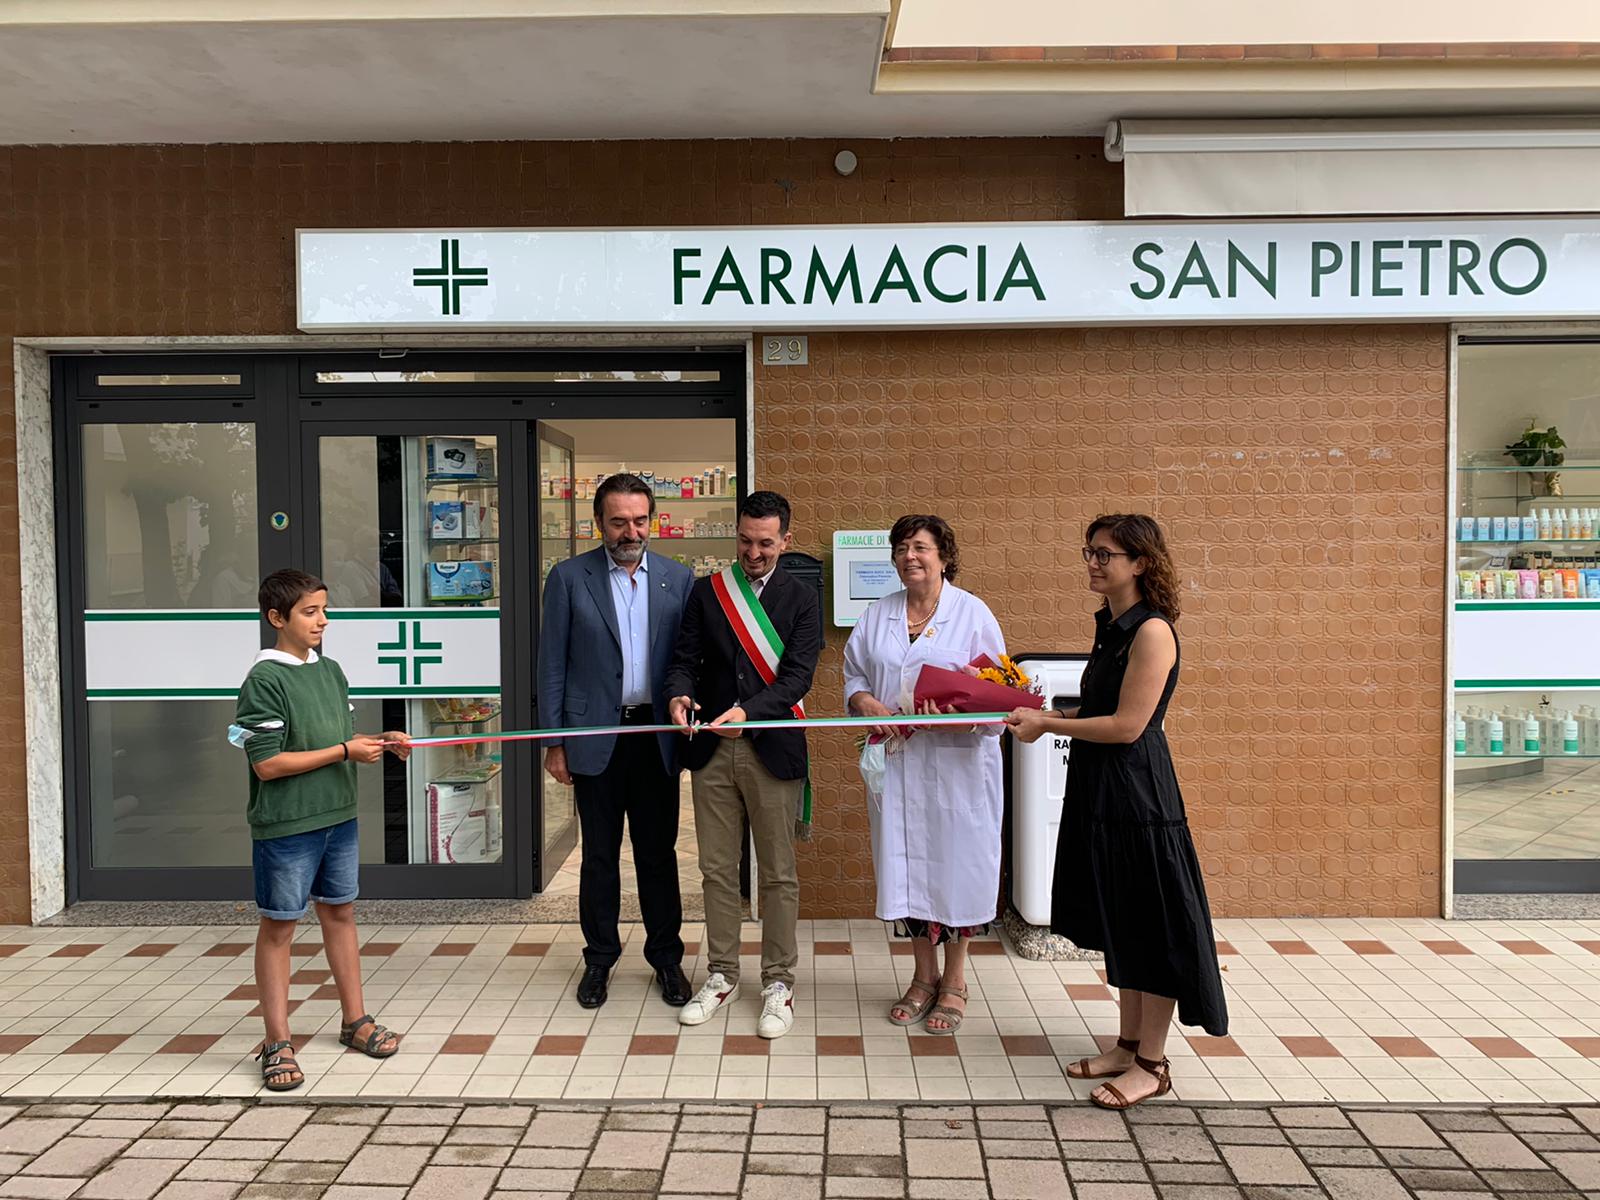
x: 630, y: 595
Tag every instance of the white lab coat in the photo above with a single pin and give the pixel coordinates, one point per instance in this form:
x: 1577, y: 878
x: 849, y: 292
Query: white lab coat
x: 936, y: 828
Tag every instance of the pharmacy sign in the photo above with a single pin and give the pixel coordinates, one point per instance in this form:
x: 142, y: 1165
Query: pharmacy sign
x: 919, y: 276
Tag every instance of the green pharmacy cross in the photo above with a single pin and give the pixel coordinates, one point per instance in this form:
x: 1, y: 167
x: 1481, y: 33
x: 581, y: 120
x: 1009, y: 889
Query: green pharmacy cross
x: 412, y: 653
x: 450, y: 277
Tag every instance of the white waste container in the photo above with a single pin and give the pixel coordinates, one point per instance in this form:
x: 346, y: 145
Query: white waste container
x: 1038, y: 779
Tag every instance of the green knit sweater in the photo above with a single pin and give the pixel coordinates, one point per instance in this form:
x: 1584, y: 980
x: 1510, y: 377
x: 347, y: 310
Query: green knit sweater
x: 291, y: 707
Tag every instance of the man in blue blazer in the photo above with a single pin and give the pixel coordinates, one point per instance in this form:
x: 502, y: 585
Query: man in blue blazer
x: 611, y: 618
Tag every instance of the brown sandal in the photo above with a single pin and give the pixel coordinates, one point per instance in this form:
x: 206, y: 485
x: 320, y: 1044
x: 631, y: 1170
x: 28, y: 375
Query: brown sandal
x: 953, y: 1015
x: 918, y: 1009
x: 1162, y: 1071
x: 279, y: 1071
x: 381, y: 1042
x: 1080, y: 1069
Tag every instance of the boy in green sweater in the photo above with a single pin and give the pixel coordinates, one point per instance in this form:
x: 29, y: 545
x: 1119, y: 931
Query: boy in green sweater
x: 294, y: 722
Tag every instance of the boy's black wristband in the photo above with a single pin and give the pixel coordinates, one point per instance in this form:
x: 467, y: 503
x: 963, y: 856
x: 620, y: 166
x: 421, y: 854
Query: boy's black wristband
x: 345, y: 746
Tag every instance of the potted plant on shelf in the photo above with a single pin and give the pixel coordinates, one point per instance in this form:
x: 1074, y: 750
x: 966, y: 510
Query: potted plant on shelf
x: 1540, y: 448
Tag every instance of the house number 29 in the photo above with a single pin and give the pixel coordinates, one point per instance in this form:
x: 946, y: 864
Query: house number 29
x: 785, y: 352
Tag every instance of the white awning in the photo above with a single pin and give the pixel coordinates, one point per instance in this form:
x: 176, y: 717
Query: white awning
x: 1295, y: 168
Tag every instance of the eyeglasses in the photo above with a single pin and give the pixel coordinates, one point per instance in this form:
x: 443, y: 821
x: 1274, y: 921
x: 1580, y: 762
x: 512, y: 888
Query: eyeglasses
x: 1101, y: 556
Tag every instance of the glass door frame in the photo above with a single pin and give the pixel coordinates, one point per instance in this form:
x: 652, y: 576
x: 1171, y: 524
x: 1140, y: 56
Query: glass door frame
x: 281, y: 393
x: 259, y: 398
x: 514, y: 872
x: 549, y: 857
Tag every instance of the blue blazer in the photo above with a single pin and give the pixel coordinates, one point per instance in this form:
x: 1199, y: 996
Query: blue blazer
x: 580, y: 653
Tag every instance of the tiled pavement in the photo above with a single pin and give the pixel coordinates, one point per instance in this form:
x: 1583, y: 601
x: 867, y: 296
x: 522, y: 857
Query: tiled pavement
x: 226, y: 1150
x: 1354, y: 1011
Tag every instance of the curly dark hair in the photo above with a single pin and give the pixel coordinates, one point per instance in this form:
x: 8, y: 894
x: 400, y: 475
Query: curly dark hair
x: 1141, y: 537
x: 908, y: 526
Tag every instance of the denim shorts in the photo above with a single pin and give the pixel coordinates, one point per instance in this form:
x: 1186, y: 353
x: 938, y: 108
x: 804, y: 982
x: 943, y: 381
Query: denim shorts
x: 295, y: 870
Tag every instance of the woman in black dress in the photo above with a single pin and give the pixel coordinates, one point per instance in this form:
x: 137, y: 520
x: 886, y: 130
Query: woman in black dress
x: 1127, y: 881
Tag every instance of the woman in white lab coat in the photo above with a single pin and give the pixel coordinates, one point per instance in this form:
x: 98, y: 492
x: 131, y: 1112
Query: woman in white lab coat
x: 936, y: 826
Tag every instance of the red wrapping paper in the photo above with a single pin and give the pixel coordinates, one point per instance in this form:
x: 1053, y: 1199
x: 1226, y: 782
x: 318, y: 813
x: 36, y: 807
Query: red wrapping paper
x: 969, y: 694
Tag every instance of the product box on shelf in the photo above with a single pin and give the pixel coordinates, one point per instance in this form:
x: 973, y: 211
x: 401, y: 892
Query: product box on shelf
x: 465, y: 709
x: 445, y: 519
x: 456, y: 457
x: 461, y: 580
x: 492, y: 816
x: 458, y: 823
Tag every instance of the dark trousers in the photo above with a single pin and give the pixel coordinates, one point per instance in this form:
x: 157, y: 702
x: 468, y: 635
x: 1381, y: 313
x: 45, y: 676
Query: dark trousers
x: 634, y: 784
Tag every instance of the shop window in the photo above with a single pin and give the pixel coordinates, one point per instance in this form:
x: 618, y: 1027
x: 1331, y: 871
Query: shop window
x: 1525, y: 647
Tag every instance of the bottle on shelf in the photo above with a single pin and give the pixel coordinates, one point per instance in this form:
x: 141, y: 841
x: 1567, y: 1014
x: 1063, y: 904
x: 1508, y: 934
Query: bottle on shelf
x: 1497, y: 735
x: 1530, y: 734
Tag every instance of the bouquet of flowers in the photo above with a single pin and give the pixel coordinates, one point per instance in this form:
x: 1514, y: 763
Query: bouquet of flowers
x: 982, y: 686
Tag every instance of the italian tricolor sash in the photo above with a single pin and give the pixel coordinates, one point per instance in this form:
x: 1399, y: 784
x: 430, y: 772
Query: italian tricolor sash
x: 763, y: 646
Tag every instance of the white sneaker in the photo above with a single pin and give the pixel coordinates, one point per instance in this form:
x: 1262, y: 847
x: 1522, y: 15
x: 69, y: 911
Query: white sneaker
x: 713, y: 994
x: 777, y: 1011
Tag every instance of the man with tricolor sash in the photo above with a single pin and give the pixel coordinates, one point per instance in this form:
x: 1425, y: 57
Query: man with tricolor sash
x: 747, y: 651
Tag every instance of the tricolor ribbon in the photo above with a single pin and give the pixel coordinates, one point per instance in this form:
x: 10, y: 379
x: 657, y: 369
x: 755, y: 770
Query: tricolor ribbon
x: 539, y: 735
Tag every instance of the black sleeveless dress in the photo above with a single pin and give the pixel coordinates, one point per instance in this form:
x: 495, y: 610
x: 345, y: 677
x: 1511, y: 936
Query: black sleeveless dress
x: 1127, y: 880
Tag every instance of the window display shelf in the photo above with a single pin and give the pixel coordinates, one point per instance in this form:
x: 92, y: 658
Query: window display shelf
x: 1532, y: 687
x: 440, y: 482
x: 1503, y: 605
x: 1529, y: 542
x: 658, y: 541
x: 1541, y: 470
x: 467, y: 773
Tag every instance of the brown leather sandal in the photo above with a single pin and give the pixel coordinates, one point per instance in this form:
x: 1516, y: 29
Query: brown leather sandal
x: 952, y: 1016
x: 1080, y: 1069
x: 1163, y: 1075
x: 279, y: 1071
x: 918, y: 1009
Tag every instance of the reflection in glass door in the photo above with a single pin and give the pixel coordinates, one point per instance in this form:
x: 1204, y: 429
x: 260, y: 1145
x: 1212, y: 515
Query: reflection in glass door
x: 558, y: 540
x: 410, y: 547
x: 170, y: 568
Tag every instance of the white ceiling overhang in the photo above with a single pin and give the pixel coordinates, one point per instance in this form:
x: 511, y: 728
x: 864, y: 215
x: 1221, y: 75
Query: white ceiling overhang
x: 217, y: 71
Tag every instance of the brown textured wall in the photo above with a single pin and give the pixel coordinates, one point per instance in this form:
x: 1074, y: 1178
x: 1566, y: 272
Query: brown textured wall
x: 1299, y: 473
x: 1314, y: 576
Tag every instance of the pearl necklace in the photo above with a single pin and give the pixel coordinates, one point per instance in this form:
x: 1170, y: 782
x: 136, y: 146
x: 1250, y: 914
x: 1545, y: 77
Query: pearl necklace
x: 910, y: 624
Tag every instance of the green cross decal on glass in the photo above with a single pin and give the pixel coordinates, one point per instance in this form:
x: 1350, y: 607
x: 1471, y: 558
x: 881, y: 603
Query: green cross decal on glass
x: 450, y: 277
x: 412, y: 654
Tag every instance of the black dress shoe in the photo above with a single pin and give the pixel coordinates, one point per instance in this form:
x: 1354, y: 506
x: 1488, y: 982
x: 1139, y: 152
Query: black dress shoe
x: 592, y: 987
x: 674, y: 985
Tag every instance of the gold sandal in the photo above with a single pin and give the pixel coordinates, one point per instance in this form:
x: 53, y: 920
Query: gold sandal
x: 1163, y: 1075
x: 1080, y: 1069
x: 954, y: 1016
x: 918, y: 1009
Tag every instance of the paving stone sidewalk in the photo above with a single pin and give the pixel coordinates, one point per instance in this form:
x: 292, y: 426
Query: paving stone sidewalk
x: 229, y: 1150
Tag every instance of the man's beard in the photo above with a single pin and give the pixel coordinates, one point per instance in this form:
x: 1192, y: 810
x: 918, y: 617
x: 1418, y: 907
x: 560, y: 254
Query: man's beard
x: 626, y: 551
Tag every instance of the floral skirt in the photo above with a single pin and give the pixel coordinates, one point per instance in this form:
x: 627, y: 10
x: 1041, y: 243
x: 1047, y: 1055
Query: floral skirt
x: 937, y: 934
